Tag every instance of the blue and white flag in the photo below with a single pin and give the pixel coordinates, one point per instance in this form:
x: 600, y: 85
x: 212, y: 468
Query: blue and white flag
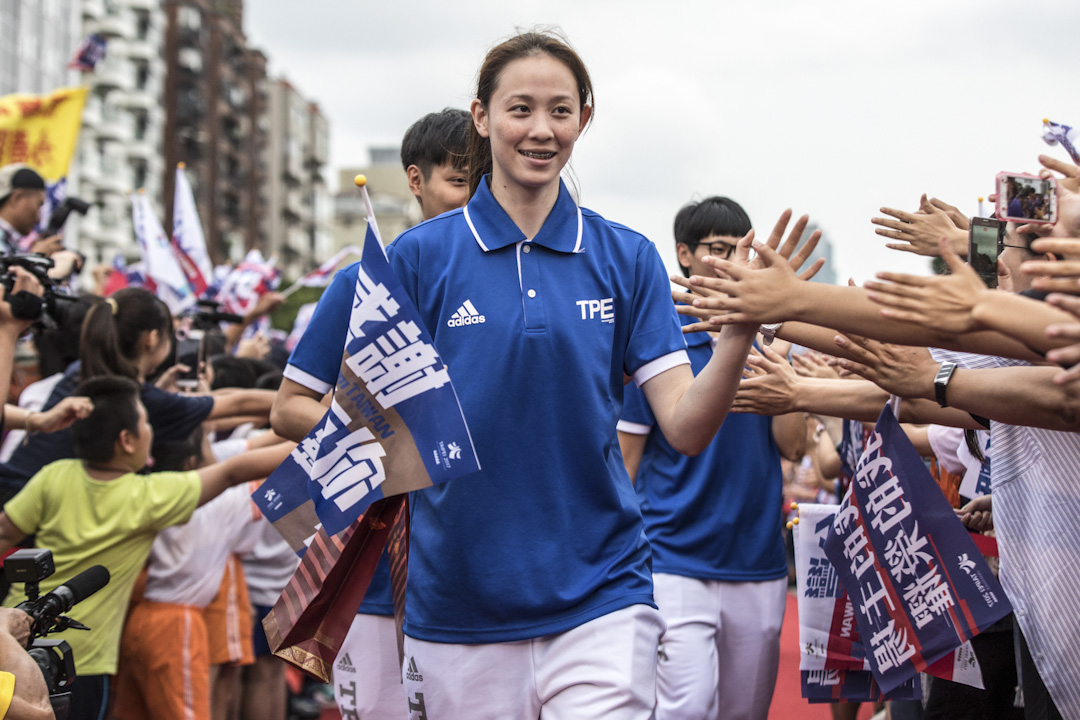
x: 829, y: 686
x: 394, y: 424
x: 1054, y: 133
x: 90, y: 52
x: 919, y: 586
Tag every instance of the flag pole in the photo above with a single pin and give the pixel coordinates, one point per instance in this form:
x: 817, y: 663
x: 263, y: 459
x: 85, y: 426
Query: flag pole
x: 361, y: 182
x: 291, y: 289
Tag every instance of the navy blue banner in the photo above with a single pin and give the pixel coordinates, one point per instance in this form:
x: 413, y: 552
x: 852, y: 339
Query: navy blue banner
x: 919, y: 586
x: 828, y: 686
x: 394, y: 425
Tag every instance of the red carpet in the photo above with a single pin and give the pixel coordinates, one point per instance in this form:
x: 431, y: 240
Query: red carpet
x: 787, y: 700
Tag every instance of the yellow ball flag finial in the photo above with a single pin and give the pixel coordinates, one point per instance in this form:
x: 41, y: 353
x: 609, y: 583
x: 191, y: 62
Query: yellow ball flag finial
x: 360, y: 180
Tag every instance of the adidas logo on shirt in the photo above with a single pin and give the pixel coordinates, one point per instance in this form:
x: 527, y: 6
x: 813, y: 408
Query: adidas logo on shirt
x: 465, y: 315
x: 412, y: 673
x: 345, y: 664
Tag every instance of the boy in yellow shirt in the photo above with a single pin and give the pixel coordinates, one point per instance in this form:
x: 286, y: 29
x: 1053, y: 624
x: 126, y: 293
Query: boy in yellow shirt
x: 95, y: 510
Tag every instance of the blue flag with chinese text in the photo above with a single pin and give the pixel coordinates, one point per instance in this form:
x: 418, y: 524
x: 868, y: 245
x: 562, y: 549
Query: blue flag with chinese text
x: 918, y: 584
x: 394, y: 424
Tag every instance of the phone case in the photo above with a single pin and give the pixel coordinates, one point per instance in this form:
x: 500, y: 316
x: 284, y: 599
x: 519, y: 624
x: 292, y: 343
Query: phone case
x: 1048, y: 213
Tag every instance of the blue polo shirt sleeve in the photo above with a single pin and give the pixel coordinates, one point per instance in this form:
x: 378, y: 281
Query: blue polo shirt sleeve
x: 656, y: 343
x: 316, y: 360
x: 637, y: 417
x: 401, y: 256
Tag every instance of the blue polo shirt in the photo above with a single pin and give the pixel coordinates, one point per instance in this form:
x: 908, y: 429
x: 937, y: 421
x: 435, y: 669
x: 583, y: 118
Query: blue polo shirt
x: 716, y: 516
x: 537, y: 337
x: 315, y: 363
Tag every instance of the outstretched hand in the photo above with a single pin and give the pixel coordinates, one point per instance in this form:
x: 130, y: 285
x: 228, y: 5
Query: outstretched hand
x: 704, y: 288
x: 1055, y: 275
x: 769, y: 385
x: 755, y: 290
x: 813, y: 364
x: 901, y: 370
x: 942, y: 302
x: 919, y: 232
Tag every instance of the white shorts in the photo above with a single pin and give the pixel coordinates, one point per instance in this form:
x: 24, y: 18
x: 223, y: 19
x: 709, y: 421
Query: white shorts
x: 605, y: 668
x: 367, y: 676
x: 719, y: 656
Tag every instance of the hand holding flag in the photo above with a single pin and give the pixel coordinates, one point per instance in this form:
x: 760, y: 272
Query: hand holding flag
x: 1054, y: 133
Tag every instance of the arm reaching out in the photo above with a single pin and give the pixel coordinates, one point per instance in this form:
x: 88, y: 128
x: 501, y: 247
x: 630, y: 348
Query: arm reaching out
x: 919, y: 232
x: 1015, y: 395
x: 961, y: 303
x: 689, y: 410
x: 252, y: 465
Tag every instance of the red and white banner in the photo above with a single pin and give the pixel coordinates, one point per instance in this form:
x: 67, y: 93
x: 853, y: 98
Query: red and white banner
x: 187, y: 236
x: 163, y: 272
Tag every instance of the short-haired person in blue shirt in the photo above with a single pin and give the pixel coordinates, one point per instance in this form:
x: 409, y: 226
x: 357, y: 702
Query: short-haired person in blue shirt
x: 714, y: 523
x: 367, y: 676
x: 530, y: 588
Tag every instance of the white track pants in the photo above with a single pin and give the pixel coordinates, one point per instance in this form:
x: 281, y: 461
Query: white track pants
x: 719, y: 656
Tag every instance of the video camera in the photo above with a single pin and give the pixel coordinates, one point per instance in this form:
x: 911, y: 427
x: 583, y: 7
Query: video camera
x: 49, y: 308
x: 60, y: 214
x: 208, y: 315
x: 54, y: 657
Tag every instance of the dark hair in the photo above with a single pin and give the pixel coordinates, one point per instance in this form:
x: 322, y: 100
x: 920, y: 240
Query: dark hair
x: 517, y: 47
x: 110, y: 337
x: 437, y: 139
x: 58, y: 347
x: 715, y: 215
x: 115, y: 410
x: 232, y: 372
x: 270, y: 380
x: 173, y: 455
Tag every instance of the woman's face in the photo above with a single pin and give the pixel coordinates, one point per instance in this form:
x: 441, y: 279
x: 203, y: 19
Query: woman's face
x: 159, y: 345
x: 532, y: 122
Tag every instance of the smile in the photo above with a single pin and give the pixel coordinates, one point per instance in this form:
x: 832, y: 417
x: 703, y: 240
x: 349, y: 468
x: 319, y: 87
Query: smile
x: 537, y: 155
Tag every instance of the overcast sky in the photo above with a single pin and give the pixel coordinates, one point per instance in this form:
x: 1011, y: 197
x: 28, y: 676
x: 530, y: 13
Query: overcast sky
x: 832, y: 108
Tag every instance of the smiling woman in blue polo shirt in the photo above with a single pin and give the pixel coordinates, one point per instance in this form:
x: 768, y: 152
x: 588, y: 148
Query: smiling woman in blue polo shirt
x: 530, y: 585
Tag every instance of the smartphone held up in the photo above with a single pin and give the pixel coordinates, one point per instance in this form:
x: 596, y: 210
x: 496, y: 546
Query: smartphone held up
x: 189, y: 352
x: 1026, y: 199
x: 985, y: 239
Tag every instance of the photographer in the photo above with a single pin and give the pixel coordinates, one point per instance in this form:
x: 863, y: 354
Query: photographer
x: 22, y: 193
x: 22, y: 688
x: 23, y: 695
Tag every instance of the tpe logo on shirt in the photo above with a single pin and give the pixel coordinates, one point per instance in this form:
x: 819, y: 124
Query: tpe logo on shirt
x: 604, y: 308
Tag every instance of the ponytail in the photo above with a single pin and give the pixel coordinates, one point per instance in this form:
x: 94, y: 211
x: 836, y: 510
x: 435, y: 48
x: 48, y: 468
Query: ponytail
x: 113, y: 331
x: 478, y: 158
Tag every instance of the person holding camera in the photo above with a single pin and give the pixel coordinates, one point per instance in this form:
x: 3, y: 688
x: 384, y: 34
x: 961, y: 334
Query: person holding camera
x: 22, y: 194
x: 97, y: 510
x: 23, y: 694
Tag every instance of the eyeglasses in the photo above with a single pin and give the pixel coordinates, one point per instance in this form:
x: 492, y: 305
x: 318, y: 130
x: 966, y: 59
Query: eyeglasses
x: 1002, y: 245
x: 721, y: 250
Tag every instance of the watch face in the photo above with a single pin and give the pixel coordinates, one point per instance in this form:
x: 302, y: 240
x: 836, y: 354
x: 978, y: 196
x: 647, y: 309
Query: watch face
x: 941, y: 382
